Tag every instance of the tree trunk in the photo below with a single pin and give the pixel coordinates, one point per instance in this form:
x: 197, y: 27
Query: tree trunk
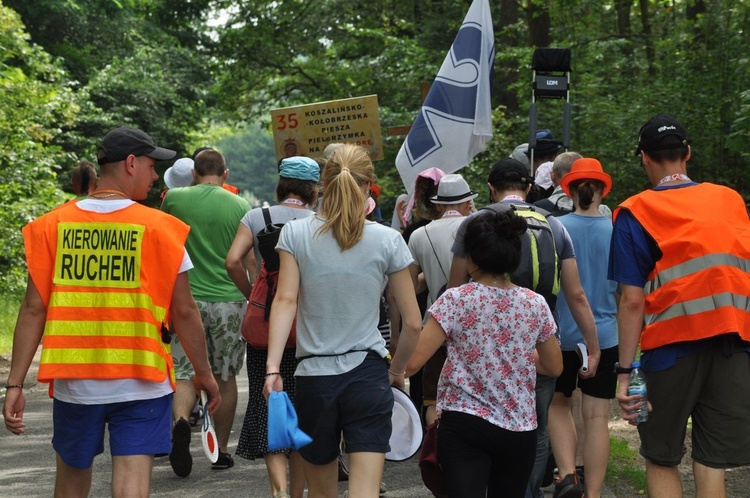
x: 646, y: 24
x: 506, y: 71
x: 622, y: 7
x: 623, y: 17
x: 539, y: 24
x: 695, y: 8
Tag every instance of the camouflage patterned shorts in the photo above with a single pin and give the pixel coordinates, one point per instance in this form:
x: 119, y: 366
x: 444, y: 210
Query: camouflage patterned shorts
x: 226, y: 349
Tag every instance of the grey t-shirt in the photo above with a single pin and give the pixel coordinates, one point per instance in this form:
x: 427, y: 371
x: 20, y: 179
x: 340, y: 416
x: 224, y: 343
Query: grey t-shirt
x: 280, y: 213
x: 339, y: 293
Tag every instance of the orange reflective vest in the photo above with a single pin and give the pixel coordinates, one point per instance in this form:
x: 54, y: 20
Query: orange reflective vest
x: 107, y: 282
x: 700, y: 287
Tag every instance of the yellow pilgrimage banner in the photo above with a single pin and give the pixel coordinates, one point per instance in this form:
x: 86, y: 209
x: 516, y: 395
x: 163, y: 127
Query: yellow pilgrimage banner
x: 306, y: 130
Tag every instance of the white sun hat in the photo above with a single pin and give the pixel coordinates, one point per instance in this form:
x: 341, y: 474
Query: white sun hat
x: 180, y: 174
x: 408, y: 432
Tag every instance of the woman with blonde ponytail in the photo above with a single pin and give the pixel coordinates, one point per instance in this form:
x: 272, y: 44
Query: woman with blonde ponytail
x: 345, y: 174
x: 333, y: 266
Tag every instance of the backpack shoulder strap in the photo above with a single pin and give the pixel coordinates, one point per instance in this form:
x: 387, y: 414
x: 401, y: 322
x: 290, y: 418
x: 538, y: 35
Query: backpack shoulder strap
x: 545, y: 204
x: 497, y: 207
x: 266, y: 215
x: 270, y: 280
x: 435, y: 253
x: 533, y: 208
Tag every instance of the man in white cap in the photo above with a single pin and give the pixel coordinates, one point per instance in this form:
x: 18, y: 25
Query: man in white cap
x: 430, y: 246
x: 180, y: 174
x: 213, y: 214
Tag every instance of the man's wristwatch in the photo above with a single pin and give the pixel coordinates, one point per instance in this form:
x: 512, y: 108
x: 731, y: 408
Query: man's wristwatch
x: 622, y: 370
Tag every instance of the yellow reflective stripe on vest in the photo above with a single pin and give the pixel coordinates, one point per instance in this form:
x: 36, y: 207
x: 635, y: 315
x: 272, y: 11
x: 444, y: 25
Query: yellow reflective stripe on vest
x: 79, y: 356
x: 700, y: 305
x: 694, y: 266
x: 107, y: 300
x: 109, y: 329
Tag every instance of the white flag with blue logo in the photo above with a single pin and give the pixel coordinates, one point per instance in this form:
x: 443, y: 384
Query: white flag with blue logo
x: 455, y: 122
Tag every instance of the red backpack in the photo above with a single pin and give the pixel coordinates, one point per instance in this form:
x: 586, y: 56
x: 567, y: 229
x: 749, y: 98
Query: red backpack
x: 255, y: 323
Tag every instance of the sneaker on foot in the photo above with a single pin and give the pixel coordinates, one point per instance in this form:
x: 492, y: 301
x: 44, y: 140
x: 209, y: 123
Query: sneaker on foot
x: 568, y: 487
x: 225, y: 461
x: 180, y: 457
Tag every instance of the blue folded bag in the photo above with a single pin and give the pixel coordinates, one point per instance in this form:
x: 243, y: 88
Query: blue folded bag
x: 282, y: 424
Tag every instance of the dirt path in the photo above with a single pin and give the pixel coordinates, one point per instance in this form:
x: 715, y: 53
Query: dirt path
x: 737, y: 480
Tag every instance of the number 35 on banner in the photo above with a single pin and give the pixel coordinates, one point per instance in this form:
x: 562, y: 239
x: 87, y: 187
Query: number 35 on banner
x: 306, y: 130
x: 284, y: 121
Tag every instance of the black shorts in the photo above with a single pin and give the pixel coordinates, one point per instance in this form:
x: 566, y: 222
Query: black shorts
x: 603, y: 385
x: 358, y: 403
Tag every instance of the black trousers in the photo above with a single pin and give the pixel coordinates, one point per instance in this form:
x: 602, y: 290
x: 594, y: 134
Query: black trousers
x: 481, y: 460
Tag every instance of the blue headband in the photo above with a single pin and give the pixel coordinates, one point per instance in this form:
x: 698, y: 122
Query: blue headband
x: 300, y: 168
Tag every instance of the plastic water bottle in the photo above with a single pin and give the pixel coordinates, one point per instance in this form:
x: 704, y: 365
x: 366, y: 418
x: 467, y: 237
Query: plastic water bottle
x: 637, y: 387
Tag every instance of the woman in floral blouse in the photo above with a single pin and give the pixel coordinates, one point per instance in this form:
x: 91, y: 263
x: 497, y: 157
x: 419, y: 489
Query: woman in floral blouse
x: 495, y: 331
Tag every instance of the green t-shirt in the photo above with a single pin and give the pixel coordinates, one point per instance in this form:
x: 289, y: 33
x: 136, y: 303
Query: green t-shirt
x: 213, y: 215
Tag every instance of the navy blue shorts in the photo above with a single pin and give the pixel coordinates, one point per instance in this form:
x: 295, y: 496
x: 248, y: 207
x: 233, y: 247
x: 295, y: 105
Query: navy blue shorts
x: 358, y: 403
x: 141, y: 427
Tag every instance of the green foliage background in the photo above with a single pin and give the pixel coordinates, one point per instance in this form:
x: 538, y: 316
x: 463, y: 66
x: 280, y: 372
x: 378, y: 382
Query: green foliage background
x: 207, y: 72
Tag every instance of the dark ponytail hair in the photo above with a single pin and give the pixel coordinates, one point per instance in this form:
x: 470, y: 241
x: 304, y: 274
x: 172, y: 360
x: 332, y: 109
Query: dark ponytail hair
x: 424, y: 208
x: 83, y: 178
x: 586, y: 189
x: 493, y: 241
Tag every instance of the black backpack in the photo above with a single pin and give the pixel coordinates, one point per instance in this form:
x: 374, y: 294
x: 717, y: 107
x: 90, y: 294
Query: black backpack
x: 539, y: 269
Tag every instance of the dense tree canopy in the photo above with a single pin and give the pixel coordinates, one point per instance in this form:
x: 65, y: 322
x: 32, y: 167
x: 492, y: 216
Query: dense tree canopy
x: 631, y: 59
x: 209, y: 71
x: 35, y: 104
